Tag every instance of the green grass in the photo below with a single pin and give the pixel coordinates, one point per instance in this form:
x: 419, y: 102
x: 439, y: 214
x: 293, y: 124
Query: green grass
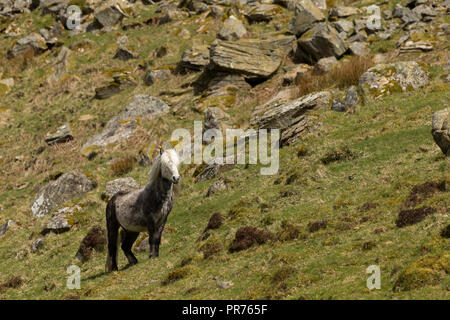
x: 391, y: 140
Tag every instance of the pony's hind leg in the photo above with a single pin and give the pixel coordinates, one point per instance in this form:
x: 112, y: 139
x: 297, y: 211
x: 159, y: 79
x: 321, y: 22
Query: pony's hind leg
x: 127, y: 244
x: 112, y: 226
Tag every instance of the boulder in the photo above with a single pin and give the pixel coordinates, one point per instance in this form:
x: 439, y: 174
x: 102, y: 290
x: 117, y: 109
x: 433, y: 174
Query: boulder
x: 59, y: 223
x: 123, y: 184
x: 66, y: 187
x: 325, y: 65
x: 109, y: 16
x: 306, y: 15
x: 232, y: 29
x: 441, y: 130
x: 60, y: 135
x: 34, y: 43
x: 320, y: 42
x: 346, y: 26
x: 384, y: 79
x: 253, y: 59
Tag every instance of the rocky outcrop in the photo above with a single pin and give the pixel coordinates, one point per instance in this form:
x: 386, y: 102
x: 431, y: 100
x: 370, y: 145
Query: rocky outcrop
x: 384, y: 79
x: 320, y: 42
x: 66, y: 187
x: 441, y: 130
x: 33, y: 43
x: 60, y: 222
x: 293, y: 117
x: 196, y: 58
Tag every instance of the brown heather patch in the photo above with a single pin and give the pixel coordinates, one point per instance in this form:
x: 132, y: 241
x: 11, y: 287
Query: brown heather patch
x: 249, y: 236
x: 342, y: 76
x: 413, y: 216
x: 215, y: 221
x: 14, y: 283
x: 94, y: 240
x: 317, y: 225
x: 122, y: 166
x: 422, y: 192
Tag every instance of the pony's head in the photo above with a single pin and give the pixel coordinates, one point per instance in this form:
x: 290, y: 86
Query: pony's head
x: 169, y: 165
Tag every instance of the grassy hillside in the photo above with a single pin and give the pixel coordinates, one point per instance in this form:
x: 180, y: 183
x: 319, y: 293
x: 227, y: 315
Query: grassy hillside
x: 382, y: 151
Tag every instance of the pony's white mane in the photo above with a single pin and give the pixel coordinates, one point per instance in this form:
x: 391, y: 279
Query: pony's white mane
x: 156, y: 168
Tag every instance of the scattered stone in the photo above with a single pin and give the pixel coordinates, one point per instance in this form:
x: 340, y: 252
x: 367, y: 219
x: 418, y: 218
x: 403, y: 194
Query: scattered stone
x: 122, y: 184
x: 352, y: 97
x: 232, y: 29
x: 125, y: 54
x: 343, y: 12
x: 67, y: 186
x: 121, y: 81
x: 441, y: 130
x: 247, y: 237
x: 213, y: 168
x: 413, y: 216
x: 59, y: 223
x: 338, y: 106
x: 143, y: 246
x: 37, y: 244
x: 60, y: 135
x: 156, y: 75
x: 317, y: 225
x: 94, y: 240
x: 6, y: 226
x: 224, y: 284
x: 306, y: 15
x: 359, y: 49
x: 416, y: 46
x: 196, y: 58
x: 263, y: 12
x: 384, y: 79
x: 216, y: 187
x: 346, y: 26
x: 320, y: 42
x: 294, y: 75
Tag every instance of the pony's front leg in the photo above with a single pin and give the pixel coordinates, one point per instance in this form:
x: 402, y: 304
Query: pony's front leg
x: 155, y: 240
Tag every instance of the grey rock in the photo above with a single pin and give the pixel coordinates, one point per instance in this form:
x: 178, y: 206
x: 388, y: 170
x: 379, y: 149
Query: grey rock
x: 262, y: 12
x: 34, y: 42
x: 144, y: 246
x: 214, y: 168
x: 424, y: 11
x: 338, y: 106
x: 306, y: 15
x: 352, y: 97
x: 441, y: 130
x: 294, y: 75
x: 123, y: 184
x: 156, y: 75
x: 215, y: 118
x: 196, y: 58
x: 60, y: 135
x: 123, y: 126
x: 61, y: 66
x: 224, y: 284
x: 215, y: 187
x: 6, y: 226
x: 359, y: 49
x: 344, y: 26
x: 59, y: 222
x: 416, y: 46
x: 66, y: 187
x: 320, y: 42
x: 325, y: 65
x: 384, y: 79
x: 37, y: 244
x: 109, y: 16
x: 232, y: 29
x: 343, y: 12
x: 125, y: 54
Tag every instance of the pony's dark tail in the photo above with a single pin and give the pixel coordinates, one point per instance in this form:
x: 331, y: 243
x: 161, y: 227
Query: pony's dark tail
x: 112, y: 227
